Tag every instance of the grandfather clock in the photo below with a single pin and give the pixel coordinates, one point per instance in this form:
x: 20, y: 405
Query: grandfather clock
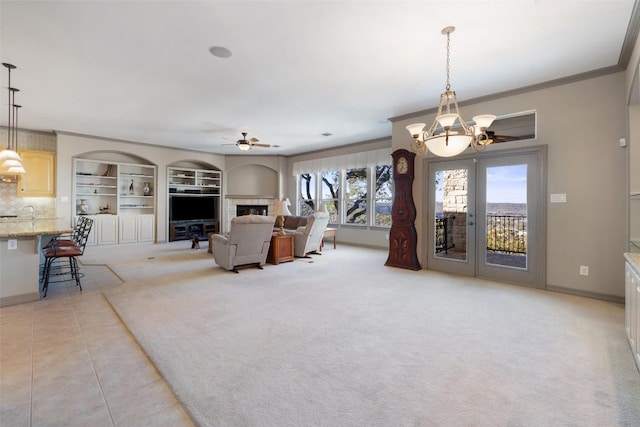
x: 403, y: 238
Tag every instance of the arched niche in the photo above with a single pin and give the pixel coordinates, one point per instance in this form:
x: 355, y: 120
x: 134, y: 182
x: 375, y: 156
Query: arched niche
x: 193, y: 164
x: 115, y: 156
x: 252, y: 180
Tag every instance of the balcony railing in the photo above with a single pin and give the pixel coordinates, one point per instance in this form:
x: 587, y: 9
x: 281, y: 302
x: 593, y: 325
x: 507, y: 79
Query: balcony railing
x: 506, y: 234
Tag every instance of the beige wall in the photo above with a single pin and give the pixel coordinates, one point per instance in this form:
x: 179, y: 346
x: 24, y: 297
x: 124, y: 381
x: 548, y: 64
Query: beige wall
x: 71, y: 146
x: 581, y: 124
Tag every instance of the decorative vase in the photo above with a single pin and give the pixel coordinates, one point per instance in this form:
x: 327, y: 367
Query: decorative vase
x: 83, y: 208
x: 146, y: 189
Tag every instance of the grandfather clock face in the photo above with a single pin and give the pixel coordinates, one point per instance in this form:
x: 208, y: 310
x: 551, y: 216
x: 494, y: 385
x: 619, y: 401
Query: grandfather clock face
x: 402, y: 166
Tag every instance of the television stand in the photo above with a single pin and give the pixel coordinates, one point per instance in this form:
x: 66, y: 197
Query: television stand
x: 187, y: 229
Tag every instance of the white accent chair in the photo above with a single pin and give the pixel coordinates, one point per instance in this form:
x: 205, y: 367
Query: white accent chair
x: 308, y: 238
x: 247, y: 243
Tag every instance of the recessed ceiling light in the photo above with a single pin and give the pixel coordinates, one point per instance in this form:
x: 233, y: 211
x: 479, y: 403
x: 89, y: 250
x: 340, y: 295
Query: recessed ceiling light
x: 220, y: 52
x: 326, y: 134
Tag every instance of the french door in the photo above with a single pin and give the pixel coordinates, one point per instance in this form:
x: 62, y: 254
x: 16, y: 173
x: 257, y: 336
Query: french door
x: 486, y: 216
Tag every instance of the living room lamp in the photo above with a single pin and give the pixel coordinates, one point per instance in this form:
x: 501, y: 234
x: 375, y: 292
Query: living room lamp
x: 448, y: 142
x: 281, y: 209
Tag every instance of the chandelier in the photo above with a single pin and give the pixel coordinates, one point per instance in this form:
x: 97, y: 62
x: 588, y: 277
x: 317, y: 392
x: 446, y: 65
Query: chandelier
x: 444, y: 138
x: 10, y: 160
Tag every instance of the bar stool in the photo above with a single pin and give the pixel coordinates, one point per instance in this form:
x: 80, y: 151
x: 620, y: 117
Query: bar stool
x: 59, y: 249
x: 74, y: 237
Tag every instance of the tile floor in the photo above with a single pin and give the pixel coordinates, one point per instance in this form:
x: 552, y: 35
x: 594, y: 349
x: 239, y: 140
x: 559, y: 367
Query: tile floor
x: 68, y: 360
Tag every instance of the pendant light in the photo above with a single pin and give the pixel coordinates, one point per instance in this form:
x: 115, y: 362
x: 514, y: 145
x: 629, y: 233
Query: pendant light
x: 10, y: 160
x: 444, y: 138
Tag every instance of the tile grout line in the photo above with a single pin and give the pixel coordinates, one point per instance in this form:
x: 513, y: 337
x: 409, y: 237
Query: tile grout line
x: 33, y: 311
x: 93, y: 366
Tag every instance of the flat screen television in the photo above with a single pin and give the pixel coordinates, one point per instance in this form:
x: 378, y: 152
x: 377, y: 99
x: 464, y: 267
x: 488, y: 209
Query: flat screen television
x: 192, y: 208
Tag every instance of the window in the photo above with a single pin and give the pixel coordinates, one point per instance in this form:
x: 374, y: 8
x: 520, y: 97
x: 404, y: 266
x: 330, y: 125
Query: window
x: 383, y: 196
x: 355, y: 196
x: 307, y: 194
x: 330, y: 194
x: 355, y: 188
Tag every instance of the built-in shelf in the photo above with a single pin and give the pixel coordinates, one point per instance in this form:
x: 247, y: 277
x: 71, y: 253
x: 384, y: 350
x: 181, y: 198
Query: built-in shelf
x: 194, y: 202
x: 126, y: 191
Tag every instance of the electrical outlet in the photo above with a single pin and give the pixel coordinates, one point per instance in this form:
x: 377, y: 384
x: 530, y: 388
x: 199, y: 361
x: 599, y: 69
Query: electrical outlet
x: 584, y: 270
x: 12, y: 244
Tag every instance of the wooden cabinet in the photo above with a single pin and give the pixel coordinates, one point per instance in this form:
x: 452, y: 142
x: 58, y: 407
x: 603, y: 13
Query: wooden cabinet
x: 39, y: 180
x: 632, y: 306
x: 281, y: 249
x: 186, y: 230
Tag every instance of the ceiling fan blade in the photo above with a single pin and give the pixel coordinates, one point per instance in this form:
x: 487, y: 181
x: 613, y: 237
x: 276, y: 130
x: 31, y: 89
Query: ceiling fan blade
x: 261, y: 145
x: 501, y: 138
x: 254, y: 140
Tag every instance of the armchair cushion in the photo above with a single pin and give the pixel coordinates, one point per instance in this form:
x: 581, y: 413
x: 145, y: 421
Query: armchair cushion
x: 247, y: 243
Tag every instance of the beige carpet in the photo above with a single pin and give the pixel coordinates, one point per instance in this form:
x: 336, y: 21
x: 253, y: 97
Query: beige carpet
x: 341, y: 340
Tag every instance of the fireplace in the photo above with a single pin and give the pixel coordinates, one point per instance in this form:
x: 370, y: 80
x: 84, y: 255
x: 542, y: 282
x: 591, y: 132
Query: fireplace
x: 233, y: 203
x: 251, y: 210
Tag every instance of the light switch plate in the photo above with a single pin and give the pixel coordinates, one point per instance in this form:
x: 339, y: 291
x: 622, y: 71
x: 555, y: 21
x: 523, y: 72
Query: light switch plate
x: 12, y: 244
x: 558, y: 198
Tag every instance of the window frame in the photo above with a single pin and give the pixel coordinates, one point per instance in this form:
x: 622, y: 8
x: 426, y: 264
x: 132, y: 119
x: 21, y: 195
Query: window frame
x: 342, y: 201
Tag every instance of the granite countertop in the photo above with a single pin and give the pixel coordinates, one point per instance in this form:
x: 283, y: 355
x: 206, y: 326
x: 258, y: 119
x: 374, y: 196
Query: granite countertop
x: 26, y: 228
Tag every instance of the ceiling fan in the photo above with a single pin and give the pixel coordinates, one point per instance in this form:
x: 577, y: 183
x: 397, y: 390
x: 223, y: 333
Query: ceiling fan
x: 245, y: 144
x: 500, y: 138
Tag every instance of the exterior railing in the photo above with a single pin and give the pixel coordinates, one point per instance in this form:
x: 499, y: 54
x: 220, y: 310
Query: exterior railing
x: 442, y: 235
x: 506, y: 234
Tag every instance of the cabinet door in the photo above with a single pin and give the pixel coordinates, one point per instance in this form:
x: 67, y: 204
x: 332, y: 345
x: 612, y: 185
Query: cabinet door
x: 127, y: 228
x: 146, y: 228
x: 108, y: 230
x: 39, y: 180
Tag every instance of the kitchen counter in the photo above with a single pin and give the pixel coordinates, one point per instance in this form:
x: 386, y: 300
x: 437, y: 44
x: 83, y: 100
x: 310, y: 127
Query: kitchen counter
x: 20, y: 256
x: 27, y: 228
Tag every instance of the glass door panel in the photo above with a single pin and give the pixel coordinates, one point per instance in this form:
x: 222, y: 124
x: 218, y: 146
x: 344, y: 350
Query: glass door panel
x: 510, y: 218
x: 506, y: 215
x: 451, y: 224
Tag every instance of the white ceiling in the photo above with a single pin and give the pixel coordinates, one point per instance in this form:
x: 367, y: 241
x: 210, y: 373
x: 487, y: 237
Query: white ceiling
x: 141, y: 70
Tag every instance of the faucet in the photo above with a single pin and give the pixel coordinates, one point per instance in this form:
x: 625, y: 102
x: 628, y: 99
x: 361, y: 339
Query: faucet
x: 33, y: 211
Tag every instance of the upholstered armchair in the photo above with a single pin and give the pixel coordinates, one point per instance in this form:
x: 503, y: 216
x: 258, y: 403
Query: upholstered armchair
x: 309, y: 237
x: 247, y: 243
